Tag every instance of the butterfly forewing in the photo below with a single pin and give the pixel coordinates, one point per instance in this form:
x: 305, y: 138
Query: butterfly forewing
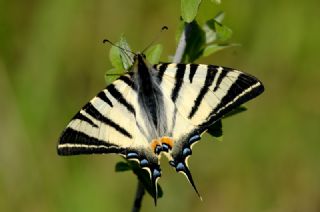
x: 208, y: 91
x: 108, y: 120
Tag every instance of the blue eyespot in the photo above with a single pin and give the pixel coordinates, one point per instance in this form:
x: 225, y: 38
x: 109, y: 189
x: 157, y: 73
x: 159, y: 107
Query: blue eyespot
x: 132, y: 155
x: 144, y: 162
x: 194, y: 139
x: 165, y: 147
x: 156, y: 173
x: 186, y: 151
x: 158, y: 149
x: 180, y: 167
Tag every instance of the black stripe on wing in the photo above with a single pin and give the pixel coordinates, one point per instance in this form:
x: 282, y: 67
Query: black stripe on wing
x: 128, y: 80
x: 193, y: 69
x: 246, y: 87
x: 119, y: 97
x: 211, y: 73
x: 81, y: 117
x: 73, y: 142
x: 102, y: 95
x: 161, y: 69
x: 92, y: 111
x: 222, y: 75
x: 179, y: 80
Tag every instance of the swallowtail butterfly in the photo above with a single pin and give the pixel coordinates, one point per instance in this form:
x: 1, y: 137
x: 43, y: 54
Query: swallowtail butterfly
x: 155, y: 109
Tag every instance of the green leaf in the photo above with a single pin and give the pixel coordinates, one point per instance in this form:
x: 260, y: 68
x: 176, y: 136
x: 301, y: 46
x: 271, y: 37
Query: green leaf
x: 235, y: 111
x: 115, y: 58
x: 219, y: 17
x: 215, y: 130
x: 213, y: 48
x: 195, y: 42
x: 113, y: 74
x: 125, y: 54
x: 121, y: 59
x: 153, y: 53
x: 215, y: 31
x: 209, y: 27
x: 210, y: 32
x: 223, y: 32
x: 122, y: 166
x: 189, y: 9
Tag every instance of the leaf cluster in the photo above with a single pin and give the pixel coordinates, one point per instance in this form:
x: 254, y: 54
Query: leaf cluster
x: 204, y: 39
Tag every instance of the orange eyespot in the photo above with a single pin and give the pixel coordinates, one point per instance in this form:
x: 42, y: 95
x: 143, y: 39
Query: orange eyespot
x: 154, y: 144
x: 168, y: 141
x: 158, y: 142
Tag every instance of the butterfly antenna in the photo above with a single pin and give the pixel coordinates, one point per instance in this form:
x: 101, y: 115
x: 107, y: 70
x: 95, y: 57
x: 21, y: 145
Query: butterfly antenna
x: 123, y: 49
x: 155, y: 38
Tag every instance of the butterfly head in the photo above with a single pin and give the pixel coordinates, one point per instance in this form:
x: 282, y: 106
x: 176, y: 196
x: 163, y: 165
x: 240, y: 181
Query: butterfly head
x: 139, y: 57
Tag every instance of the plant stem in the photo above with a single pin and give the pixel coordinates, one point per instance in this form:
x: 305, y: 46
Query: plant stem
x: 138, y: 198
x: 182, y: 44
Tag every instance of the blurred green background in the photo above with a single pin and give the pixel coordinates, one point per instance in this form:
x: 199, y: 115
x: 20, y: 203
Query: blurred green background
x: 52, y: 61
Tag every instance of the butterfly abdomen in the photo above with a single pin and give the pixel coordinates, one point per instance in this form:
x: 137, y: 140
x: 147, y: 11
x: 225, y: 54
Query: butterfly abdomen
x: 150, y: 99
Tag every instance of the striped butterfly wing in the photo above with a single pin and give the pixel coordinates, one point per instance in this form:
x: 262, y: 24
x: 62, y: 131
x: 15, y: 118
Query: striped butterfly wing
x: 107, y: 124
x: 204, y: 93
x: 199, y: 95
x: 161, y: 109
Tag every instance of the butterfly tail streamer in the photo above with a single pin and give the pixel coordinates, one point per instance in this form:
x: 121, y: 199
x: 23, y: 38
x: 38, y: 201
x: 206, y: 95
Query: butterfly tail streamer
x: 155, y: 188
x: 154, y: 180
x: 182, y: 168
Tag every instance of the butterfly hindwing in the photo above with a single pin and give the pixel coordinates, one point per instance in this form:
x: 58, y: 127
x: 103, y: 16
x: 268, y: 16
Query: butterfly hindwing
x: 201, y: 95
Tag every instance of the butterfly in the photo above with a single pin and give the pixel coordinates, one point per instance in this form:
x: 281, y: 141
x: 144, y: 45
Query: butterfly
x: 157, y: 109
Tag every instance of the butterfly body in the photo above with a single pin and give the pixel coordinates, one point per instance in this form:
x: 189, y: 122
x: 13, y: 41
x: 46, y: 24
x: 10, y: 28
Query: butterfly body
x: 150, y: 98
x: 157, y: 109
